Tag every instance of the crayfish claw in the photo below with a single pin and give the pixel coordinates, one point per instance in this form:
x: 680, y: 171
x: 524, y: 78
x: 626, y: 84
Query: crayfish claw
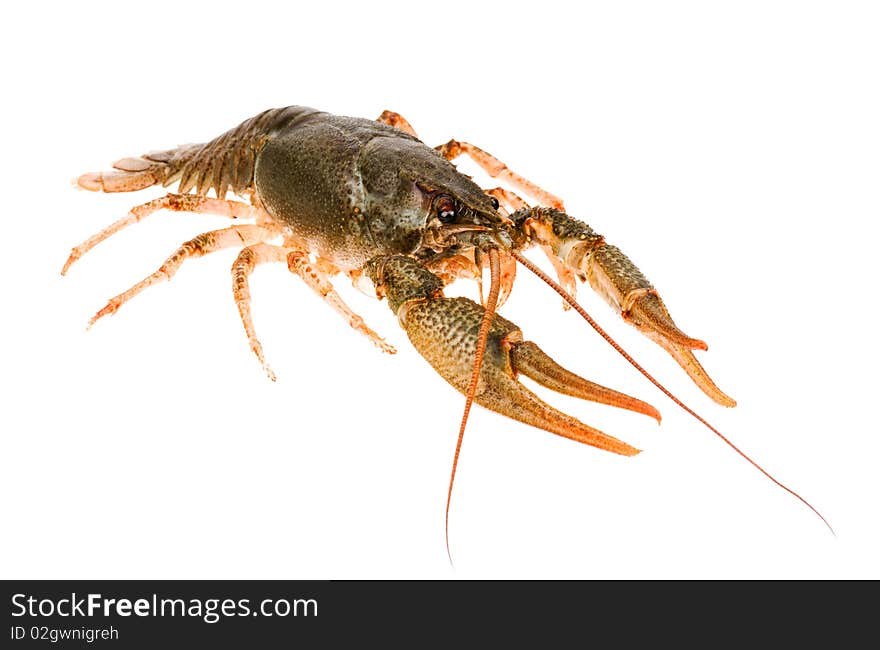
x: 450, y: 352
x: 445, y: 332
x: 576, y: 248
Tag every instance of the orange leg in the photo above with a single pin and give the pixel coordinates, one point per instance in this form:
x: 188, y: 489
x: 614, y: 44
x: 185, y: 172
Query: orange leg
x: 174, y: 202
x: 497, y: 169
x: 207, y: 242
x: 243, y: 266
x: 298, y: 262
x: 397, y: 121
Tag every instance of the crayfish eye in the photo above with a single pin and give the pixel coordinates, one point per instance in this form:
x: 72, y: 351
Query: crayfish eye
x: 494, y: 201
x: 445, y: 207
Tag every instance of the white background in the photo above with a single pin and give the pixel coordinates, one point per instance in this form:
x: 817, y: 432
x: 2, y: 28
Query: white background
x: 731, y: 149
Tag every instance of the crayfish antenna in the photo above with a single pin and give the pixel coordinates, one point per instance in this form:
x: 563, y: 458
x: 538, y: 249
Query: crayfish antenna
x: 586, y: 316
x: 482, y: 338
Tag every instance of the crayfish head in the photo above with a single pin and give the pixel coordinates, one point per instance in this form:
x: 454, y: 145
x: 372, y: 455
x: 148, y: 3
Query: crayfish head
x: 416, y: 199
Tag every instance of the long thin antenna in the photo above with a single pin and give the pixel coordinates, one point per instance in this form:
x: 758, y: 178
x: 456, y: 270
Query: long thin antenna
x: 571, y: 301
x: 482, y: 338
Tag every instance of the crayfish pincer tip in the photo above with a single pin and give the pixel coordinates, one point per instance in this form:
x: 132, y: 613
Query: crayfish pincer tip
x: 438, y: 327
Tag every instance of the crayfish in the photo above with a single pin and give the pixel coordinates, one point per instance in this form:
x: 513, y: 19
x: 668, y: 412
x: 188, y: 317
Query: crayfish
x: 329, y: 195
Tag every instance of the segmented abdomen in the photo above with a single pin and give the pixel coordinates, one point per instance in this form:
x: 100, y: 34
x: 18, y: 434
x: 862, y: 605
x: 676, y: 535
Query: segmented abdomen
x: 226, y: 163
